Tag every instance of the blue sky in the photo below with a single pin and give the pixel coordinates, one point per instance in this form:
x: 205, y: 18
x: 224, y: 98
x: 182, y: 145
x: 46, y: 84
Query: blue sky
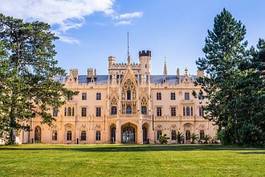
x: 169, y: 28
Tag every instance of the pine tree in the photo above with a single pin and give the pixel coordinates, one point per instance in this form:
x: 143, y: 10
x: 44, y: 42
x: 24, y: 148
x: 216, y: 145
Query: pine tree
x: 30, y: 81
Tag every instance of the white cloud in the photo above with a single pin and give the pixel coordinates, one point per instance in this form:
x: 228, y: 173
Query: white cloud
x: 64, y: 15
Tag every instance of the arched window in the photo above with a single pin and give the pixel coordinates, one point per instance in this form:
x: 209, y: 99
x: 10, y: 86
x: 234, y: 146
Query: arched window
x: 54, y: 135
x: 187, y: 135
x: 69, y: 136
x: 37, y: 134
x: 83, y: 136
x: 128, y: 94
x: 129, y: 110
x: 144, y: 110
x: 173, y: 135
x: 98, y: 135
x: 73, y: 111
x: 158, y: 134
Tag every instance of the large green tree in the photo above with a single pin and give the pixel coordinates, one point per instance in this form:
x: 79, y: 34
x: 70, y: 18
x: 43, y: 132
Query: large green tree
x: 233, y: 85
x: 29, y: 85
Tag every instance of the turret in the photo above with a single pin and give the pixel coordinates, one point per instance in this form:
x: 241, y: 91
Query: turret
x: 145, y: 58
x: 91, y: 75
x: 73, y: 75
x: 112, y: 60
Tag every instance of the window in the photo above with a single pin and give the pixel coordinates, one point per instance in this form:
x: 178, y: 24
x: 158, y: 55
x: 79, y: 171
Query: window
x: 173, y: 96
x: 187, y: 135
x: 128, y: 94
x: 128, y: 109
x: 158, y: 134
x: 84, y: 96
x: 113, y: 110
x: 73, y: 111
x: 98, y: 135
x: 54, y: 135
x: 187, y: 111
x: 69, y: 136
x: 173, y: 135
x: 191, y: 111
x: 184, y: 111
x: 158, y: 96
x: 69, y: 111
x: 83, y: 112
x: 201, y: 134
x: 158, y: 111
x: 98, y: 111
x: 173, y: 111
x: 201, y: 111
x: 65, y: 111
x: 98, y: 96
x: 187, y: 96
x: 144, y: 110
x: 83, y: 136
x: 55, y: 112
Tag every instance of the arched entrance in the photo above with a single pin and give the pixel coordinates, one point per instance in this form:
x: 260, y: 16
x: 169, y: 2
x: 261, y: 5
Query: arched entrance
x: 128, y: 133
x: 113, y: 133
x: 37, y: 134
x: 145, y: 133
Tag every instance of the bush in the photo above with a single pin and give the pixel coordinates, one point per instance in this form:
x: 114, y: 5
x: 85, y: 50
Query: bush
x: 163, y: 139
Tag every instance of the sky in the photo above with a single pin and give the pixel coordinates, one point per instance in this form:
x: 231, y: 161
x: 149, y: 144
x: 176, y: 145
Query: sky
x: 174, y: 30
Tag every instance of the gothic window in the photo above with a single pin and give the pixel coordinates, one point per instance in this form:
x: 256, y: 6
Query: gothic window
x: 83, y: 111
x: 69, y: 136
x: 187, y: 96
x: 128, y: 109
x: 73, y: 111
x: 158, y: 96
x: 173, y: 96
x: 55, y: 112
x: 98, y: 96
x: 173, y: 111
x: 201, y: 111
x: 173, y: 135
x: 159, y: 111
x: 83, y: 136
x: 54, y: 135
x: 113, y: 110
x: 187, y: 111
x: 69, y: 111
x: 144, y: 106
x: 128, y: 94
x: 84, y: 96
x: 98, y: 135
x: 98, y: 111
x: 144, y: 110
x: 158, y: 134
x: 191, y: 111
x: 201, y: 134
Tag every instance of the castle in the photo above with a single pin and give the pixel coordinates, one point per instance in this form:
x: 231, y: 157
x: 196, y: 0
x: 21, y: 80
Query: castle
x: 129, y: 105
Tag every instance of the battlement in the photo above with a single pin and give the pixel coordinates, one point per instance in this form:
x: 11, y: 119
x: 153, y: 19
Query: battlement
x: 145, y: 53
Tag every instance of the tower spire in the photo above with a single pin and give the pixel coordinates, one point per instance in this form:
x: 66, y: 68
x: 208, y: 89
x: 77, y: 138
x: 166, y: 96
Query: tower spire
x: 128, y: 48
x: 165, y: 68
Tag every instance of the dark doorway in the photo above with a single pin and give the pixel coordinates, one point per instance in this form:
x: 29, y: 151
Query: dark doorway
x: 113, y: 134
x: 145, y: 134
x: 37, y: 134
x: 128, y: 134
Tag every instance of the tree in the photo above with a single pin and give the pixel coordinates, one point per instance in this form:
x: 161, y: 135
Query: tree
x: 194, y: 138
x: 163, y: 139
x: 30, y: 84
x: 180, y: 138
x: 232, y: 86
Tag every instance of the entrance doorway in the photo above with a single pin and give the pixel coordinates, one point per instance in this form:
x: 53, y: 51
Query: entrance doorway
x: 128, y: 134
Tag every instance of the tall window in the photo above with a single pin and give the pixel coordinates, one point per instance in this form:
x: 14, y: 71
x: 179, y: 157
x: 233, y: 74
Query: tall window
x: 69, y: 136
x: 173, y: 135
x: 83, y: 136
x: 98, y: 96
x: 84, y: 96
x: 201, y: 111
x: 191, y: 111
x: 187, y: 111
x: 201, y: 134
x: 98, y: 135
x: 98, y: 111
x: 158, y: 96
x: 113, y: 110
x: 187, y: 135
x: 173, y: 96
x: 55, y: 112
x: 73, y: 111
x: 128, y: 109
x: 69, y: 111
x: 173, y: 111
x: 187, y: 96
x: 158, y: 134
x: 144, y: 110
x: 83, y: 111
x: 54, y: 135
x: 159, y: 111
x: 128, y: 94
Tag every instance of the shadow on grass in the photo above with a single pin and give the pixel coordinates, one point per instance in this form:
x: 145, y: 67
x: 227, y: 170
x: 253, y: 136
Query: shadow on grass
x: 132, y: 148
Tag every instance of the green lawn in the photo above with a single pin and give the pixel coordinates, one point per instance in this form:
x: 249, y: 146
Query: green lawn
x: 133, y: 160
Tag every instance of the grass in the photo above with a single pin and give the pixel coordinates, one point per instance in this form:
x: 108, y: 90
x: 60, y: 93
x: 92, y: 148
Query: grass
x: 131, y: 160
